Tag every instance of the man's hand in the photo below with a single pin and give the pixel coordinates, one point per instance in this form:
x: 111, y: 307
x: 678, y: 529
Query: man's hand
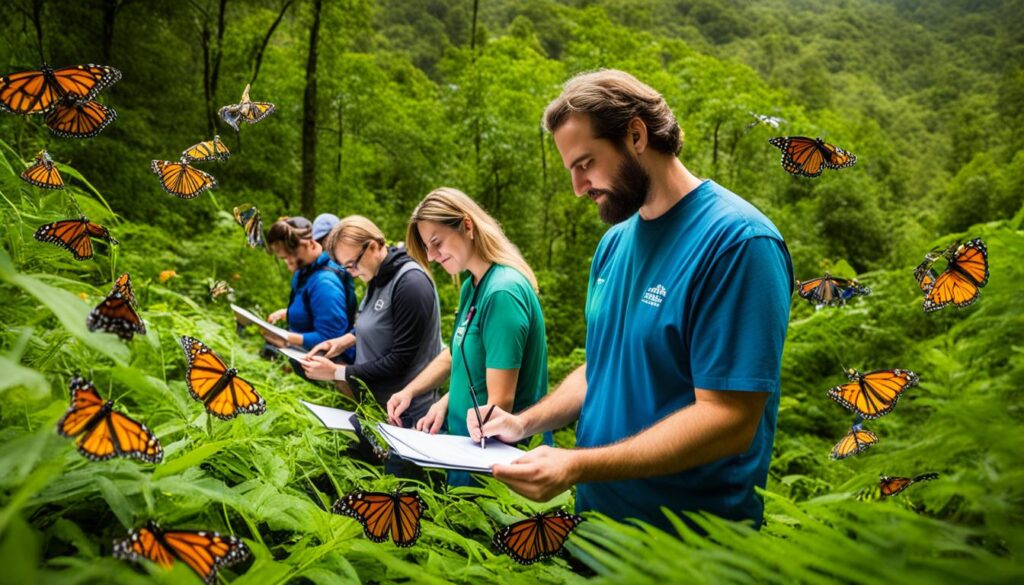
x: 541, y: 474
x: 504, y: 426
x: 318, y: 368
x: 277, y: 316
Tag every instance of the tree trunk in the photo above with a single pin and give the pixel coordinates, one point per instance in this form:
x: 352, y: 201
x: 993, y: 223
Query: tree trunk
x: 266, y: 40
x: 341, y: 134
x: 309, y: 119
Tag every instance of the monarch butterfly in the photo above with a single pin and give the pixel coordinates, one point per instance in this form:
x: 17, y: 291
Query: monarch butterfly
x: 38, y: 91
x: 204, y: 552
x: 206, y: 151
x: 960, y: 283
x: 43, y: 173
x: 398, y: 513
x: 810, y: 156
x: 220, y: 288
x: 75, y: 118
x: 116, y: 313
x: 74, y: 235
x: 536, y: 538
x: 123, y: 287
x: 890, y: 486
x: 103, y: 433
x: 217, y: 386
x: 830, y: 291
x: 249, y: 218
x: 181, y: 180
x: 873, y: 394
x: 853, y: 443
x: 246, y: 111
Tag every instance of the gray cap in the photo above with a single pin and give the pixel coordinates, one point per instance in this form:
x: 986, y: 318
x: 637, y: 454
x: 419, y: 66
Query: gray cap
x: 322, y: 225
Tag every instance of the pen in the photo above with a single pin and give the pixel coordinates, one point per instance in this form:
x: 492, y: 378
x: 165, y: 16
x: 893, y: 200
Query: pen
x: 487, y: 417
x: 476, y: 409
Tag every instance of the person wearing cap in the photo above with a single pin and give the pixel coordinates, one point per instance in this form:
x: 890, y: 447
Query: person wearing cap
x: 322, y: 226
x: 322, y: 301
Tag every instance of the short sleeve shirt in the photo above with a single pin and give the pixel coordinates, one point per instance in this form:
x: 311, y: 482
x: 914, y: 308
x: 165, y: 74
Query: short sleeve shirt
x: 507, y: 332
x: 696, y: 298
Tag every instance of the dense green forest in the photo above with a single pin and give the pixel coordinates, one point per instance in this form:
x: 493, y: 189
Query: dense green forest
x: 380, y: 101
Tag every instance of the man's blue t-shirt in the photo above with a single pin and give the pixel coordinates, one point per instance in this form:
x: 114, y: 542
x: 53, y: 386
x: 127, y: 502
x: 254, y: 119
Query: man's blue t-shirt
x: 696, y: 298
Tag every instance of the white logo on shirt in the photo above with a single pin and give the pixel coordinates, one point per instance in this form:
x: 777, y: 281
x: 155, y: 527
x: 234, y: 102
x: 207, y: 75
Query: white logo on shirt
x: 654, y: 296
x: 600, y: 280
x: 378, y: 305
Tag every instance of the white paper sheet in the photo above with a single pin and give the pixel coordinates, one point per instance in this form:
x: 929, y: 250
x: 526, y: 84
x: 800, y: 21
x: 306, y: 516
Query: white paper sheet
x: 333, y: 418
x: 247, y: 318
x: 447, y: 451
x: 296, y: 353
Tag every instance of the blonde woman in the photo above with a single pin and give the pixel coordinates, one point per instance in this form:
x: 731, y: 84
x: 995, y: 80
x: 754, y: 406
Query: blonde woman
x: 498, y: 349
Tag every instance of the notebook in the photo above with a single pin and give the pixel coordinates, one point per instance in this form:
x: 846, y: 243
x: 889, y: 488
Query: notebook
x: 333, y: 418
x: 447, y: 451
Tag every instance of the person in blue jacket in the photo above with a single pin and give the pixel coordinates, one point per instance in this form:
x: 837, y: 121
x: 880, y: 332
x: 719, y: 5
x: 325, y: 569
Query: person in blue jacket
x: 322, y: 300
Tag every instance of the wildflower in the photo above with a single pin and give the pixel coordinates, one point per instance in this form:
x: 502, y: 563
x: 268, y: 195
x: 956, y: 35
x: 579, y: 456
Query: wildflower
x: 84, y: 296
x: 167, y: 275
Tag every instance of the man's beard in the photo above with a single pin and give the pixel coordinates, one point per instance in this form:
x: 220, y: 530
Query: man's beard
x: 627, y: 194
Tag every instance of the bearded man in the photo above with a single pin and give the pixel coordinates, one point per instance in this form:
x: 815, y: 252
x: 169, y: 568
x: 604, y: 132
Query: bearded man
x: 687, y: 307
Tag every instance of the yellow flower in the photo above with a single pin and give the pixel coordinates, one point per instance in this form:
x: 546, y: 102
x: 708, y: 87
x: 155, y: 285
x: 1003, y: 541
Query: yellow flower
x: 83, y: 296
x: 167, y: 275
x: 236, y: 276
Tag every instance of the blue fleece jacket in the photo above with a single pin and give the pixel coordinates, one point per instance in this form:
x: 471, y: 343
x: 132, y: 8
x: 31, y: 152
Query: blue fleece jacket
x: 319, y: 298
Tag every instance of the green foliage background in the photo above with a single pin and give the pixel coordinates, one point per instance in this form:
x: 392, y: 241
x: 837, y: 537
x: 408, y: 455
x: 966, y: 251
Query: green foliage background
x: 929, y: 96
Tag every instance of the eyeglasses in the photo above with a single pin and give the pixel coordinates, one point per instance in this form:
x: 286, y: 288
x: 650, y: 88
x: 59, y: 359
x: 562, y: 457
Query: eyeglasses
x: 350, y: 266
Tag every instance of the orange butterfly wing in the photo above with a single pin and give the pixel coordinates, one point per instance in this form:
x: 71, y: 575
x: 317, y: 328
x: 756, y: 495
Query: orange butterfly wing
x: 810, y: 156
x: 38, y: 91
x: 43, y: 173
x: 835, y: 157
x: 380, y: 513
x: 85, y: 404
x: 255, y: 111
x: 873, y: 394
x: 218, y: 387
x: 856, y: 441
x: 890, y: 486
x: 103, y: 433
x: 204, y: 552
x: 181, y: 180
x: 206, y: 151
x: 73, y: 235
x: 79, y: 119
x: 116, y: 314
x: 123, y: 287
x: 960, y: 284
x: 536, y: 538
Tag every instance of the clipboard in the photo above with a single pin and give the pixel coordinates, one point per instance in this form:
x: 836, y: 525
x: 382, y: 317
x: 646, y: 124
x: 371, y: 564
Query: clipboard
x: 246, y: 318
x: 454, y: 452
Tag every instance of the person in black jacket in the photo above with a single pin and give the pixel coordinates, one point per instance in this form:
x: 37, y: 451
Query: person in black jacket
x: 398, y: 326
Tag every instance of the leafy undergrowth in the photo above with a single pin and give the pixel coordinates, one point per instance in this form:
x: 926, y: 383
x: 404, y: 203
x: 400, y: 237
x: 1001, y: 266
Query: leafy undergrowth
x: 271, y: 479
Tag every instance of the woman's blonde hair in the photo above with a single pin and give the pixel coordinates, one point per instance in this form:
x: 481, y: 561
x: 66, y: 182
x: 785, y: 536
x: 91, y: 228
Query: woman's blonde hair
x: 354, y: 230
x: 451, y: 207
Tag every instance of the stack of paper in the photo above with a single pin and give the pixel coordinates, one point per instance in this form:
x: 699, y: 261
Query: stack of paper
x: 333, y: 418
x: 245, y: 318
x: 447, y: 451
x: 248, y: 318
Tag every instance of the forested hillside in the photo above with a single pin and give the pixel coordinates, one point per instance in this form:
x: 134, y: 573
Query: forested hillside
x: 409, y: 95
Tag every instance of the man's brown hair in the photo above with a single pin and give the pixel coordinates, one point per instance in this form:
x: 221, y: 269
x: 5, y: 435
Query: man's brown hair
x: 610, y: 99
